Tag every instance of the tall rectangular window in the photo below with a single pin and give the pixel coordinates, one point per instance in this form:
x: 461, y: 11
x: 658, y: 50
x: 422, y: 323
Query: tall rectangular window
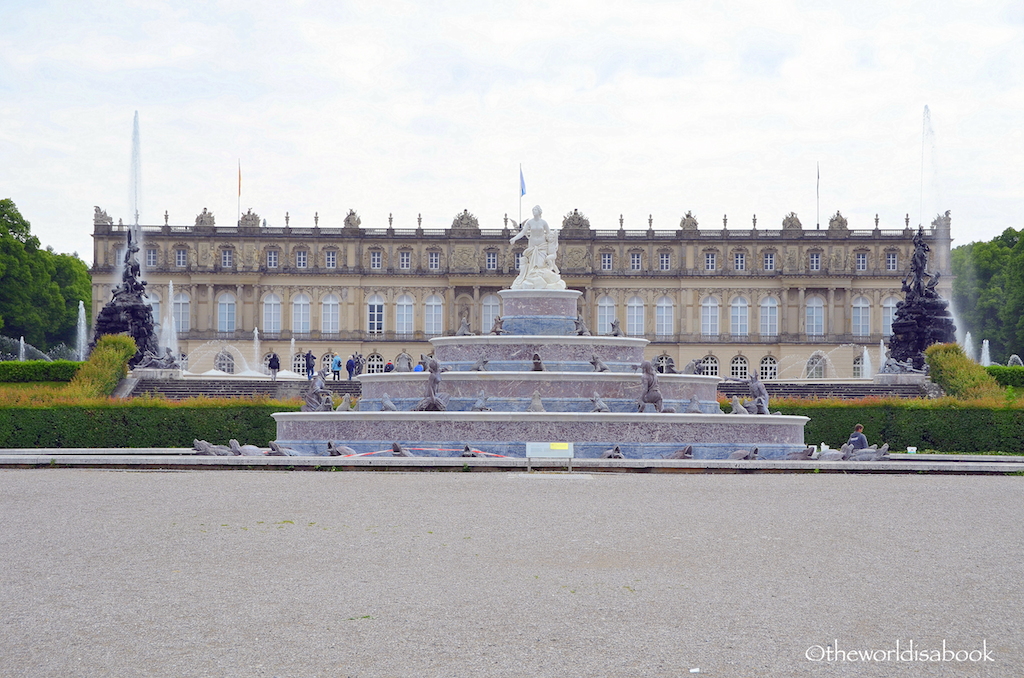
x: 891, y: 261
x: 665, y: 260
x: 709, y: 261
x: 862, y: 261
x: 375, y: 259
x: 375, y: 318
x: 519, y: 260
x: 226, y: 258
x: 815, y: 261
x: 635, y: 261
x: 739, y: 261
x: 606, y: 261
x: 300, y: 258
x: 405, y: 260
x: 150, y: 257
x: 271, y: 258
x: 769, y: 261
x: 434, y: 261
x: 331, y: 259
x: 181, y: 258
x: 492, y: 261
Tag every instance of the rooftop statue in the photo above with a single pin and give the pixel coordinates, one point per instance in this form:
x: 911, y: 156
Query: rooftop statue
x: 537, y: 269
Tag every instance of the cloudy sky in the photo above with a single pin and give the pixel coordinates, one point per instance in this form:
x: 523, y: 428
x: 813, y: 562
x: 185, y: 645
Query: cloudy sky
x: 639, y: 108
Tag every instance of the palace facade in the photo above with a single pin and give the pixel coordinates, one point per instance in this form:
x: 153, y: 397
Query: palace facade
x: 788, y: 302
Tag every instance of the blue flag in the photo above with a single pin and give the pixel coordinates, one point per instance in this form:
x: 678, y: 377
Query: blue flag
x: 522, y: 183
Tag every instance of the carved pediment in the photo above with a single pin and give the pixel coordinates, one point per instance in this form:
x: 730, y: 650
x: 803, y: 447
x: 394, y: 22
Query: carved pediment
x: 352, y: 219
x: 575, y: 221
x: 791, y: 223
x: 688, y: 222
x: 465, y: 221
x: 100, y: 217
x: 205, y: 218
x: 838, y: 223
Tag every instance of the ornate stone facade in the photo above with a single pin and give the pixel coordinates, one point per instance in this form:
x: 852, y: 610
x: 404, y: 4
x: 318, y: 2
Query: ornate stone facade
x: 784, y: 302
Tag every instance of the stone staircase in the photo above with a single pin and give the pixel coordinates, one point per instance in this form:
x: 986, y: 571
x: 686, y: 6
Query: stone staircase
x: 179, y: 389
x: 844, y: 391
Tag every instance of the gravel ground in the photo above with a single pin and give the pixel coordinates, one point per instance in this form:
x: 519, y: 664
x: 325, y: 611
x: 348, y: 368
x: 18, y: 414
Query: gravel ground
x: 235, y: 573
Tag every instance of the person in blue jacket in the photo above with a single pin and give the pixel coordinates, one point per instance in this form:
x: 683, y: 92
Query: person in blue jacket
x: 336, y: 367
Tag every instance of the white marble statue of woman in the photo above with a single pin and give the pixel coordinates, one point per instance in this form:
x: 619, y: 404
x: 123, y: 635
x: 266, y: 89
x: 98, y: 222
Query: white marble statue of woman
x: 537, y: 269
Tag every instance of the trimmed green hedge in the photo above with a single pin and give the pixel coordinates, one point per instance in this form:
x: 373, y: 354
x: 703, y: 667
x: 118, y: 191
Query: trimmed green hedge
x: 1007, y: 376
x: 38, y: 370
x: 138, y: 425
x: 958, y: 375
x: 942, y: 428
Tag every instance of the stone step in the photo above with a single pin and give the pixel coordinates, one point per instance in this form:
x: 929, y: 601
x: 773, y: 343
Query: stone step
x: 826, y: 390
x: 179, y: 389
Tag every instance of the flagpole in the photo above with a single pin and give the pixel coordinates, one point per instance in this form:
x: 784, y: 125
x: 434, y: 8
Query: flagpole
x: 520, y: 222
x: 239, y: 220
x: 817, y: 198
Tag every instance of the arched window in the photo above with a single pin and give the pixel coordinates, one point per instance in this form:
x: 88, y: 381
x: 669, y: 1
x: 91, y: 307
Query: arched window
x: 330, y: 314
x: 662, y: 362
x: 815, y: 316
x: 272, y: 314
x: 769, y: 368
x: 182, y: 315
x: 888, y: 314
x: 709, y: 318
x: 710, y: 365
x: 605, y: 314
x: 225, y: 362
x: 816, y: 366
x: 738, y: 368
x: 154, y: 303
x: 300, y: 314
x: 299, y: 363
x: 491, y: 309
x: 374, y: 363
x: 858, y: 367
x: 861, y: 317
x: 375, y: 314
x: 738, y: 317
x: 769, y: 317
x: 433, y: 314
x: 665, y: 321
x: 635, y: 317
x: 325, y: 361
x: 226, y: 312
x: 403, y: 314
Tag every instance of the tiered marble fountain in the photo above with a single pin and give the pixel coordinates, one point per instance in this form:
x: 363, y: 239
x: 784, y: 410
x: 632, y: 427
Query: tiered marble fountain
x: 540, y: 320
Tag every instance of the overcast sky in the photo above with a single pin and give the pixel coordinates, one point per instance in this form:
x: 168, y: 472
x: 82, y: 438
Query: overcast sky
x: 632, y: 108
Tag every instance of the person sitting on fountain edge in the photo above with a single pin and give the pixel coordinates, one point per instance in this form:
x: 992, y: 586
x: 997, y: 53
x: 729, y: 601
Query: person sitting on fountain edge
x: 857, y: 439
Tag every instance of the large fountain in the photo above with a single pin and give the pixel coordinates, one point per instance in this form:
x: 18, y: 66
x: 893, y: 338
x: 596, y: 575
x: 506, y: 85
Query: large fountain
x: 540, y: 377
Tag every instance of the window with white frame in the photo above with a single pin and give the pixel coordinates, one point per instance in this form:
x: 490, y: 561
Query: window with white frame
x: 861, y: 261
x: 710, y: 365
x: 635, y: 261
x: 491, y: 261
x: 635, y: 317
x: 664, y: 311
x: 858, y: 367
x: 405, y: 260
x: 768, y: 261
x: 154, y: 303
x: 433, y: 314
x: 490, y: 307
x: 709, y: 316
x: 739, y: 261
x: 300, y: 258
x: 739, y: 367
x: 375, y: 314
x: 710, y: 262
x: 376, y: 257
x: 861, y: 317
x: 605, y: 314
x: 272, y: 314
x: 226, y: 312
x: 815, y: 261
x: 224, y: 362
x: 816, y: 366
x: 181, y: 311
x: 299, y: 363
x: 891, y: 261
x: 330, y: 259
x: 769, y: 368
x: 150, y: 257
x: 739, y: 315
x: 272, y: 256
x: 769, y: 317
x: 403, y: 314
x: 815, y: 316
x: 606, y: 261
x: 300, y: 314
x: 665, y: 261
x: 374, y: 363
x: 227, y: 258
x: 519, y: 260
x: 181, y: 257
x: 434, y: 261
x: 888, y: 314
x: 330, y: 314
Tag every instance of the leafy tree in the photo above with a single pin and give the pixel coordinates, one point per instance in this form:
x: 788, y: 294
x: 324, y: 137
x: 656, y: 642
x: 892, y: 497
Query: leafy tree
x: 39, y: 289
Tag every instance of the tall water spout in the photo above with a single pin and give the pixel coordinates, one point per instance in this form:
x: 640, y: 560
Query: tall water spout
x: 881, y: 352
x: 135, y: 179
x: 80, y: 332
x: 256, y: 364
x: 21, y: 349
x: 986, y: 359
x: 867, y: 370
x: 291, y: 353
x: 969, y: 347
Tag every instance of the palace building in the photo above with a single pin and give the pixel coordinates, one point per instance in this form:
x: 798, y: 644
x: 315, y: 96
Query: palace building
x: 789, y: 302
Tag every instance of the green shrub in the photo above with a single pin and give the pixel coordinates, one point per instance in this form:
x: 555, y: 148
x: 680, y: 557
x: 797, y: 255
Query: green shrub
x: 1007, y: 376
x: 12, y: 371
x: 107, y: 365
x: 958, y: 375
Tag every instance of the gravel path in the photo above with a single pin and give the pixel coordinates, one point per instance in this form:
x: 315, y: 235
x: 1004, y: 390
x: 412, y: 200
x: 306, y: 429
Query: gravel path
x: 107, y: 573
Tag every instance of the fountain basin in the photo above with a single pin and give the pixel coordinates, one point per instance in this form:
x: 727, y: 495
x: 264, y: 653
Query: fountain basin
x: 558, y: 353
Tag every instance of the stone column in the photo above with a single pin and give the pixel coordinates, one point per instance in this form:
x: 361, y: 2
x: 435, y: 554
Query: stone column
x: 801, y: 312
x: 783, y: 311
x: 831, y: 310
x: 211, y: 304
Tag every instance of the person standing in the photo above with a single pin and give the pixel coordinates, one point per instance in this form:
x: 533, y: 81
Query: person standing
x: 274, y: 364
x: 310, y: 364
x: 350, y: 365
x: 857, y: 439
x: 336, y: 367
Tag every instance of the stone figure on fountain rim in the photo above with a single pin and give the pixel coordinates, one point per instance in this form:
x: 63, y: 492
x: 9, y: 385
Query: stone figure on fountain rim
x: 538, y: 270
